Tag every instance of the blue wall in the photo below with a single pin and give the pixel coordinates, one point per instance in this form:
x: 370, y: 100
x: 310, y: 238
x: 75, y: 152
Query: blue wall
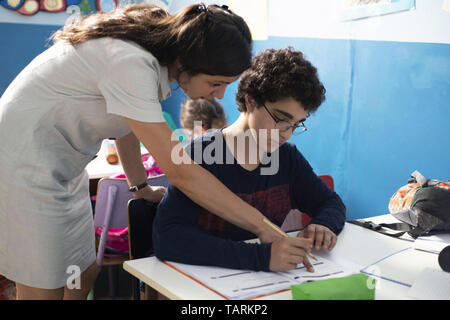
x: 386, y: 112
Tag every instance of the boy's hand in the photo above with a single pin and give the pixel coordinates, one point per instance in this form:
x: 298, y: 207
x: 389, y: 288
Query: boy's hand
x: 321, y: 236
x: 287, y: 253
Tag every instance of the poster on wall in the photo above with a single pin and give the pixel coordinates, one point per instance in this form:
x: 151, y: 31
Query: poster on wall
x: 62, y: 9
x: 360, y: 9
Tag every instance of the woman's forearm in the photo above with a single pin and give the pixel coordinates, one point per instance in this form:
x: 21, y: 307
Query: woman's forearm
x: 207, y: 191
x: 129, y: 151
x: 196, y: 182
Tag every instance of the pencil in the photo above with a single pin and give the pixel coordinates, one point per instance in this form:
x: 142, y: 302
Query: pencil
x: 274, y: 227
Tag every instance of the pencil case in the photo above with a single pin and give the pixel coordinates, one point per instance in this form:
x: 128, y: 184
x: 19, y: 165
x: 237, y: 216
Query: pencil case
x: 355, y: 287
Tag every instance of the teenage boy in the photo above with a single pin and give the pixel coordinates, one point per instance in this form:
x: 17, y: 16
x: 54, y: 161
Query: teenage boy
x: 252, y: 158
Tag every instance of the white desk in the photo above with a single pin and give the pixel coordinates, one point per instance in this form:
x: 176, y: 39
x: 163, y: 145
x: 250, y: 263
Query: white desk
x: 355, y: 244
x: 100, y: 168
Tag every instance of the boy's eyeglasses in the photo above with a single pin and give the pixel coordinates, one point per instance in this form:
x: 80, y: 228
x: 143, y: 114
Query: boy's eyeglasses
x: 284, y: 126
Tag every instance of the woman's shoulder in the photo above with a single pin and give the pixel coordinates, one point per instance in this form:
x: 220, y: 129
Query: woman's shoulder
x: 116, y: 49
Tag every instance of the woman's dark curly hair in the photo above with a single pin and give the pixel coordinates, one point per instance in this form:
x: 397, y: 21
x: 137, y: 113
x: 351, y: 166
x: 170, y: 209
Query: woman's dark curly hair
x: 276, y: 74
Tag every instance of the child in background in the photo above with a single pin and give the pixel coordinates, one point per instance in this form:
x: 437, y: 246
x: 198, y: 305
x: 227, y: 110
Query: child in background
x: 209, y: 112
x: 278, y: 91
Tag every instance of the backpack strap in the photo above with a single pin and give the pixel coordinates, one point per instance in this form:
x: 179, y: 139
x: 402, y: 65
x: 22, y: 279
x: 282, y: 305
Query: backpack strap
x: 402, y: 227
x: 417, y: 232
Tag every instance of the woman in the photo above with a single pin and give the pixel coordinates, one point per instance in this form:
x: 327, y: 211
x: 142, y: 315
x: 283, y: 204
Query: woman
x: 104, y: 78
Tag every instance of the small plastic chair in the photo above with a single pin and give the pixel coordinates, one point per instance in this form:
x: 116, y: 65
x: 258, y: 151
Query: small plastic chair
x: 111, y: 212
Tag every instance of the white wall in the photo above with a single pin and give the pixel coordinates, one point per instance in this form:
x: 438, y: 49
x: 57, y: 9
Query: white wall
x: 428, y: 22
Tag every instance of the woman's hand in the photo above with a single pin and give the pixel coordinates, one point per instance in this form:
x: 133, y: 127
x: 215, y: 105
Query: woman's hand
x: 322, y: 237
x: 150, y: 193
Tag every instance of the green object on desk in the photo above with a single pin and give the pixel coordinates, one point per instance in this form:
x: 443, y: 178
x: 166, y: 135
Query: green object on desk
x: 354, y: 287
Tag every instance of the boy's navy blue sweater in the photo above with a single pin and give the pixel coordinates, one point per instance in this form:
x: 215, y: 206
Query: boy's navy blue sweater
x: 185, y: 232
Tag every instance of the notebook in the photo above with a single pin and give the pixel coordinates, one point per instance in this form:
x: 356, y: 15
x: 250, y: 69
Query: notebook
x: 247, y: 284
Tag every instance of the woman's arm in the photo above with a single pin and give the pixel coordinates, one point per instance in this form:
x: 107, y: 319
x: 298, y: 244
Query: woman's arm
x: 128, y: 148
x: 178, y: 237
x: 129, y: 151
x: 197, y: 183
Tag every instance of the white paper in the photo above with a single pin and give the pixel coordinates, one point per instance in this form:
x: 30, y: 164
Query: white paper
x: 242, y: 284
x: 323, y: 269
x: 432, y: 284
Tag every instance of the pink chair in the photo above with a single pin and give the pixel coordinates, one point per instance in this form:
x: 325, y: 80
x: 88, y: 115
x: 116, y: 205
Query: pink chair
x: 111, y: 211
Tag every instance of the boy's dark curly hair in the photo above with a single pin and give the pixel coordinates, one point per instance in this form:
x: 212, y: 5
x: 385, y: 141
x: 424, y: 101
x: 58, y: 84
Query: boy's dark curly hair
x: 276, y: 74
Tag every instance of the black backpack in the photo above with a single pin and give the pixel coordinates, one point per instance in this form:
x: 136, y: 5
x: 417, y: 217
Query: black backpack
x: 422, y: 206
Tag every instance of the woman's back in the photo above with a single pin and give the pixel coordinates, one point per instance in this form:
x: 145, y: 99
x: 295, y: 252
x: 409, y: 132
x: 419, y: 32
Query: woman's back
x: 74, y: 94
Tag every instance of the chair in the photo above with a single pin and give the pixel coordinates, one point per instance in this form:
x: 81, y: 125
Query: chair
x: 111, y: 212
x: 141, y: 214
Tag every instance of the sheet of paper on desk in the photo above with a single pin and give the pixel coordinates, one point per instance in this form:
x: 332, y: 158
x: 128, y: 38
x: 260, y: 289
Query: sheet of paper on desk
x: 432, y: 284
x: 323, y: 269
x: 244, y: 284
